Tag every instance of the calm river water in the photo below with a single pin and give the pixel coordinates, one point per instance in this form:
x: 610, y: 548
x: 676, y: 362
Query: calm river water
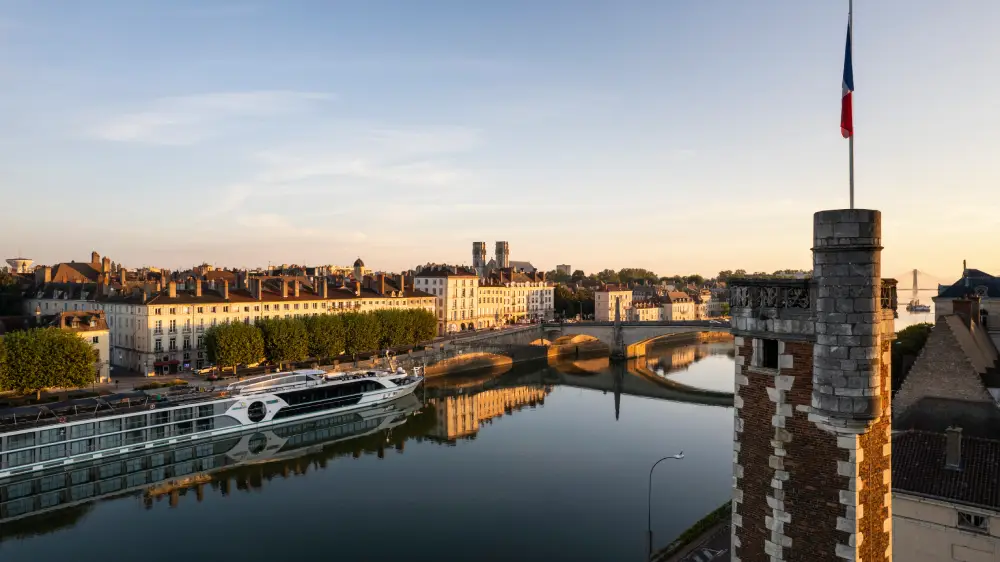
x: 540, y: 463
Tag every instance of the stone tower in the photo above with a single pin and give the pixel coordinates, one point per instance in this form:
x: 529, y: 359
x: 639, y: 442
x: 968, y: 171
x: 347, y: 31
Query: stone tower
x: 812, y: 442
x: 503, y: 255
x: 479, y: 258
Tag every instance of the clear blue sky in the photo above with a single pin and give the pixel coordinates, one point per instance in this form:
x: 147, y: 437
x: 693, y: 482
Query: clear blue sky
x: 680, y: 136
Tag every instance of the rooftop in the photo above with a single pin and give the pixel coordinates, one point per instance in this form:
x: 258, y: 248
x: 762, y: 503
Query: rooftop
x: 918, y: 467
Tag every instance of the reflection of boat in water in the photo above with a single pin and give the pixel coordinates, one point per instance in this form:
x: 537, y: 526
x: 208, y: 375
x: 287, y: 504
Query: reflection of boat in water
x: 163, y: 470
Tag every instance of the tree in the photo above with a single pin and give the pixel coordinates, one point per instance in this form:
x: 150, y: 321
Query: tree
x: 424, y: 325
x: 46, y: 358
x: 326, y: 335
x: 557, y: 277
x: 361, y: 332
x: 394, y: 329
x: 608, y: 276
x: 724, y: 275
x: 285, y: 339
x: 233, y: 344
x: 628, y: 274
x: 10, y: 294
x: 578, y: 275
x: 696, y: 280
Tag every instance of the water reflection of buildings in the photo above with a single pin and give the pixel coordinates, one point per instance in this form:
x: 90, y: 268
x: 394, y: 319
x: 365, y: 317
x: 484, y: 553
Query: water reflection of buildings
x: 676, y: 358
x: 463, y: 415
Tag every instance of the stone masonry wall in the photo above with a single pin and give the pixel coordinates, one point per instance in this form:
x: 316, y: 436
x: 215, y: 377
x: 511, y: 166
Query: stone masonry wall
x: 942, y: 371
x: 875, y: 475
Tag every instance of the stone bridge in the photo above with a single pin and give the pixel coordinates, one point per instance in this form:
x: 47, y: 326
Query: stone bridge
x: 626, y: 339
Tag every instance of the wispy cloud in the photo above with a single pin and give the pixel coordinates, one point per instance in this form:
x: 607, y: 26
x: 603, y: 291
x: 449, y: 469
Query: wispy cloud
x: 189, y: 119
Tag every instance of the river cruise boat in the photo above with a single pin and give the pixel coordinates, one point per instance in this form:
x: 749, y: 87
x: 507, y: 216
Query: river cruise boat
x: 163, y: 470
x: 45, y: 436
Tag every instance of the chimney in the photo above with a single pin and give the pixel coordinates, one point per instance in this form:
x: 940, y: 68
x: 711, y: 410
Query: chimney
x: 106, y: 265
x: 953, y: 448
x: 260, y: 288
x: 43, y: 274
x: 225, y: 289
x: 296, y: 285
x: 357, y: 288
x: 324, y: 291
x: 284, y: 288
x: 172, y: 289
x: 963, y: 308
x: 381, y: 284
x: 197, y: 287
x: 95, y: 258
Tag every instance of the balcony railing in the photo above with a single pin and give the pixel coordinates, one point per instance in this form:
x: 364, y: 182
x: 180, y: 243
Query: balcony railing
x: 157, y: 331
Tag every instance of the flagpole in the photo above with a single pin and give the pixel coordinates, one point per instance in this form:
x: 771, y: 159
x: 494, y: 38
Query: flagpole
x: 850, y: 146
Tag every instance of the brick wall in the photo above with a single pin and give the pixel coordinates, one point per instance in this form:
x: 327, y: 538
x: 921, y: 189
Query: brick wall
x: 812, y: 495
x: 754, y: 450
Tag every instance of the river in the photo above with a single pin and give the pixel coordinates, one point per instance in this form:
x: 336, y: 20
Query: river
x: 538, y: 463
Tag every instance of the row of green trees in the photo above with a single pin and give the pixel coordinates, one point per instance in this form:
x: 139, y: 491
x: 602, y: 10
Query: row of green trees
x: 282, y: 340
x: 32, y: 360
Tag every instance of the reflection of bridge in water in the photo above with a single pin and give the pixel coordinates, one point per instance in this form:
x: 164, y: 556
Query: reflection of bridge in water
x: 646, y: 377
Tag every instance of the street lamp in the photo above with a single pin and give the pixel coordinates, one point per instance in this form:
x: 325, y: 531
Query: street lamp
x: 649, y: 503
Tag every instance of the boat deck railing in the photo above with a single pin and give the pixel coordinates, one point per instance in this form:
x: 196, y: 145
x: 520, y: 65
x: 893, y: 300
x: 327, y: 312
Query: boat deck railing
x: 18, y: 419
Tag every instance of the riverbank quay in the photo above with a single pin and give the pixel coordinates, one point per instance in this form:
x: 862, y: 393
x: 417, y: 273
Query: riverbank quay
x: 708, y: 539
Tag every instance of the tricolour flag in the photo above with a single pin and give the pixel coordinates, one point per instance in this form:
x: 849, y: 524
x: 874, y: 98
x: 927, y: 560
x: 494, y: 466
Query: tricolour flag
x: 846, y: 117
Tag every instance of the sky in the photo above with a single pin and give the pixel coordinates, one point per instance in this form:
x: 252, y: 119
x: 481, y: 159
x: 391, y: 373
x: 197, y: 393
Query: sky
x: 678, y: 136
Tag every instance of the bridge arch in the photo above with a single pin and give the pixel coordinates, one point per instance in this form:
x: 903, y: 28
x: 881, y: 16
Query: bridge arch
x: 639, y: 348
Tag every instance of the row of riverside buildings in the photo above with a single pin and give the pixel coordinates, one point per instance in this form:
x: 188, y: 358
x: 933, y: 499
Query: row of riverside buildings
x: 154, y: 321
x: 647, y: 303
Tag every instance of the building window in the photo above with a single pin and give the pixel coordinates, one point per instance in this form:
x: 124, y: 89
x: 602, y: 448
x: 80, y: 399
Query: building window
x: 95, y: 339
x: 213, y: 311
x: 157, y: 311
x: 173, y: 326
x: 225, y: 309
x: 187, y: 342
x: 173, y: 344
x: 765, y: 353
x: 201, y: 309
x: 173, y: 311
x: 973, y: 522
x: 158, y: 345
x: 201, y: 342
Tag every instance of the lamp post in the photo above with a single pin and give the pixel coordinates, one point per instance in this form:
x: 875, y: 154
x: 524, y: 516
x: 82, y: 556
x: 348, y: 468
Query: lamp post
x: 649, y: 503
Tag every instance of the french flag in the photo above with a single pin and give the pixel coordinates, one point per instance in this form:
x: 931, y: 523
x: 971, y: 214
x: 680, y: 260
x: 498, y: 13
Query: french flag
x: 846, y: 114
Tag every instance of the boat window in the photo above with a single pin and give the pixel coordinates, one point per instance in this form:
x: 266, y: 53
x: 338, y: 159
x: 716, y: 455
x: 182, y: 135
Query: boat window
x: 51, y: 435
x: 133, y: 437
x: 133, y: 465
x: 203, y: 450
x: 109, y: 441
x: 157, y: 433
x: 158, y: 459
x: 184, y: 454
x: 135, y: 422
x: 110, y: 426
x: 205, y: 411
x: 20, y: 441
x: 81, y: 430
x: 20, y: 458
x: 51, y: 452
x: 82, y: 446
x: 184, y: 428
x: 160, y: 418
x: 205, y: 425
x: 183, y: 414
